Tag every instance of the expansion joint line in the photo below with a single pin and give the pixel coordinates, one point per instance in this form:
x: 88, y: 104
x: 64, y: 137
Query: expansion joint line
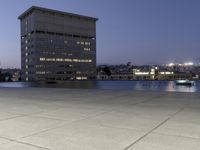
x: 129, y: 146
x: 24, y: 143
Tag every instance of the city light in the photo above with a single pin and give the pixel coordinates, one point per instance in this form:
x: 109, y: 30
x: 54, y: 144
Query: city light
x: 189, y: 64
x: 179, y: 64
x: 141, y: 73
x: 171, y: 64
x: 166, y: 73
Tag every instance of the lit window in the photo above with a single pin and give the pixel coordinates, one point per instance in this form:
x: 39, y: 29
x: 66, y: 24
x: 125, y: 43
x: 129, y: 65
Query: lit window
x: 78, y: 42
x: 26, y: 60
x: 42, y: 59
x: 26, y: 72
x: 167, y: 73
x: 26, y: 78
x: 75, y: 60
x: 82, y: 60
x: 26, y: 54
x: 68, y: 60
x: 26, y: 66
x: 87, y: 43
x: 65, y: 42
x: 59, y: 59
x: 50, y: 59
x: 82, y: 43
x: 86, y: 49
x: 141, y: 73
x: 81, y: 78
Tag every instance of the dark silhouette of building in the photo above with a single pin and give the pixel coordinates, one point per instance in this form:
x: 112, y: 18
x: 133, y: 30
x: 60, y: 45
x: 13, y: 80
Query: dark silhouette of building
x: 57, y: 45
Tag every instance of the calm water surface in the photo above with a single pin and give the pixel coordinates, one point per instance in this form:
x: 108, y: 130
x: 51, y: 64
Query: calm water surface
x: 169, y: 86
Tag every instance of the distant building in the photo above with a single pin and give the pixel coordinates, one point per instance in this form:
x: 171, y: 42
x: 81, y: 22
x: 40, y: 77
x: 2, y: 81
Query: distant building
x: 57, y: 45
x: 124, y: 76
x: 153, y: 74
x: 10, y: 75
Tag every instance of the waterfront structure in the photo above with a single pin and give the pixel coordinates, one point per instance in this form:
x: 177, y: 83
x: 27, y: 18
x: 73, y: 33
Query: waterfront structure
x: 153, y: 74
x: 124, y: 76
x: 57, y: 45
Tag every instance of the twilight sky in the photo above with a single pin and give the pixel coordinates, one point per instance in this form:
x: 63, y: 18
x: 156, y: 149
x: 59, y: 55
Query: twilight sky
x: 140, y: 31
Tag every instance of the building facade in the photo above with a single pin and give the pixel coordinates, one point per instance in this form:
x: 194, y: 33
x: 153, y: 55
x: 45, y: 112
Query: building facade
x: 57, y: 45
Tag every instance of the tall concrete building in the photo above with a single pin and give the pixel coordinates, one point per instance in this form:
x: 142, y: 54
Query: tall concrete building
x: 57, y: 45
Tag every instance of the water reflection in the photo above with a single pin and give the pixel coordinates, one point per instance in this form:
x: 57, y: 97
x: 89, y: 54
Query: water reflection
x: 169, y: 86
x: 172, y: 87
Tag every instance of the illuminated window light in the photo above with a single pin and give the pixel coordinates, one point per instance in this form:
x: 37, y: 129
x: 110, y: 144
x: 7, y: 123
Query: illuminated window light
x: 50, y: 59
x: 68, y: 60
x: 42, y: 59
x: 59, y: 59
x: 166, y: 73
x: 86, y: 49
x: 141, y: 73
x: 87, y: 43
x: 81, y: 78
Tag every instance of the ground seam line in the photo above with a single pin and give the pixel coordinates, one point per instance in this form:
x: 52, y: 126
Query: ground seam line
x: 16, y: 141
x: 57, y: 127
x: 129, y: 146
x: 180, y: 136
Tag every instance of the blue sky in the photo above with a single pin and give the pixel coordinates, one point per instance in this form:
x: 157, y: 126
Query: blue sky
x: 140, y: 31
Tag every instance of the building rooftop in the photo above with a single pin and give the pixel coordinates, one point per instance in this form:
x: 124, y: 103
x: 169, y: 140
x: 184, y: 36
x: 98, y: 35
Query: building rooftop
x: 58, y: 119
x: 54, y: 11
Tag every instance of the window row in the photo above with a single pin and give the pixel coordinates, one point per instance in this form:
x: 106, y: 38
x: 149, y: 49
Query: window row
x: 66, y: 60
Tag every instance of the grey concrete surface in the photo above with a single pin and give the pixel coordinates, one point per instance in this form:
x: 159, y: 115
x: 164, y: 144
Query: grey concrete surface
x: 64, y: 119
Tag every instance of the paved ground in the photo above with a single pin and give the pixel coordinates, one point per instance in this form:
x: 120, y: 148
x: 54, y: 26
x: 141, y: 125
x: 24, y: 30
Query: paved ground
x: 60, y: 119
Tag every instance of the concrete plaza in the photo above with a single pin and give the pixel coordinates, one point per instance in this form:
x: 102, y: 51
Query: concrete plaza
x: 72, y: 119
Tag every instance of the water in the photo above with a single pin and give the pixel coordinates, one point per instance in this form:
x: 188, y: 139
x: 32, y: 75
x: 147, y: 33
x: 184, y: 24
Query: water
x: 169, y: 86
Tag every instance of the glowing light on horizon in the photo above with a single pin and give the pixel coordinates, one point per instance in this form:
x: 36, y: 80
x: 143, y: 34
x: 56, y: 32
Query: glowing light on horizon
x: 171, y: 64
x: 189, y: 64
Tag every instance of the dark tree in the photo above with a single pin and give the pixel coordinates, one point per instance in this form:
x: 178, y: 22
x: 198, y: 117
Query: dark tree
x: 107, y: 71
x: 1, y: 77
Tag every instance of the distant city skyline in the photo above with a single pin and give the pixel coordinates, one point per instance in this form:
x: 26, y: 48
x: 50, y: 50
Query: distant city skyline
x: 139, y: 31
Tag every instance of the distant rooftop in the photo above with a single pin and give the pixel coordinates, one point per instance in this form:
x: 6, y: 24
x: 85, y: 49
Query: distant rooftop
x: 54, y: 11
